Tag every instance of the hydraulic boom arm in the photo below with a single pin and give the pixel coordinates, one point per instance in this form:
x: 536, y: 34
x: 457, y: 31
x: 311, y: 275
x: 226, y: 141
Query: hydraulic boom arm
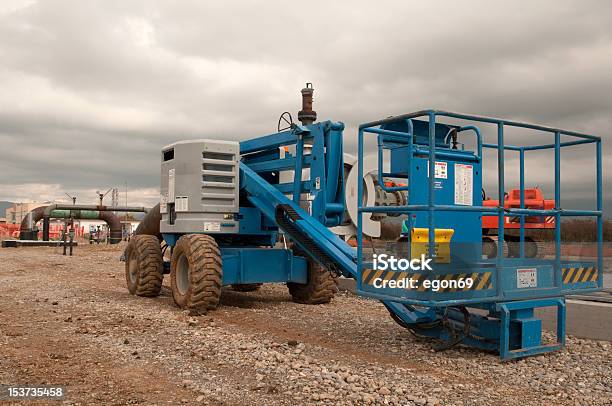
x: 316, y: 240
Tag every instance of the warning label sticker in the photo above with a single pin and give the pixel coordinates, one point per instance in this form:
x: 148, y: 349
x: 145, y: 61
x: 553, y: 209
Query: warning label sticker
x: 527, y: 278
x: 171, y: 184
x: 212, y: 226
x: 464, y: 184
x: 441, y: 171
x: 181, y: 203
x: 163, y: 203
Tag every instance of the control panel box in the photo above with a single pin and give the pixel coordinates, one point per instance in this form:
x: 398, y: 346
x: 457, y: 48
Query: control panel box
x: 199, y: 187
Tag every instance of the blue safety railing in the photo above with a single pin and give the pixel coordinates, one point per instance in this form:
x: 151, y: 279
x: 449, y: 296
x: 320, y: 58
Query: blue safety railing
x: 501, y: 211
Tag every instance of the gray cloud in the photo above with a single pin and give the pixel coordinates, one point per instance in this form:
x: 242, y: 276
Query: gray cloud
x: 92, y: 90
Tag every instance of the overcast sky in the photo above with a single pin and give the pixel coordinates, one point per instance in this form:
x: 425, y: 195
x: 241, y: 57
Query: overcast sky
x: 91, y: 90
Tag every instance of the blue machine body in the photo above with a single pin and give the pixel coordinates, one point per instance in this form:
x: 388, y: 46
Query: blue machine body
x: 509, y: 289
x: 244, y: 259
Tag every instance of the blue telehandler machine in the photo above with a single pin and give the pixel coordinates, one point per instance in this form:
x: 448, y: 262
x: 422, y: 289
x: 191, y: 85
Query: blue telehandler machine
x: 244, y: 213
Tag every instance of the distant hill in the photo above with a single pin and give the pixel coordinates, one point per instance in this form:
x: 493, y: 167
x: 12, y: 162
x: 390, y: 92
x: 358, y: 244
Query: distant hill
x: 3, y: 206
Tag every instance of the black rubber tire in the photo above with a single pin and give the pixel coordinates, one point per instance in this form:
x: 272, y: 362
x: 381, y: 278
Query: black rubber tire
x: 144, y: 265
x: 514, y: 247
x: 196, y: 273
x: 489, y: 247
x: 320, y: 289
x: 247, y: 287
x: 531, y: 248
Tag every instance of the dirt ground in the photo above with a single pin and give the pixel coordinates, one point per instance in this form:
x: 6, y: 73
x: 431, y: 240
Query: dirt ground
x: 71, y: 321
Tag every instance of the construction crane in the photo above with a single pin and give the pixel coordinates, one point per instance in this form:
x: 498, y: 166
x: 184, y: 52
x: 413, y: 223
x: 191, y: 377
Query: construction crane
x: 225, y: 206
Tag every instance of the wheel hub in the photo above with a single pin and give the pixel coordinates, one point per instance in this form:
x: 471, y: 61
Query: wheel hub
x: 182, y: 277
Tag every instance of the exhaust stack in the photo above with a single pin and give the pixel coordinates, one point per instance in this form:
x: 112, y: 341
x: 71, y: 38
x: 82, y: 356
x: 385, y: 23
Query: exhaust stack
x: 307, y: 115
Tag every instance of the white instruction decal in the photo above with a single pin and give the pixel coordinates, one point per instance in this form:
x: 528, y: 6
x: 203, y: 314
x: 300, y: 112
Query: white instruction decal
x: 181, y: 203
x: 171, y: 186
x: 386, y: 165
x: 212, y: 226
x: 441, y: 170
x: 527, y: 278
x: 163, y: 203
x: 464, y: 184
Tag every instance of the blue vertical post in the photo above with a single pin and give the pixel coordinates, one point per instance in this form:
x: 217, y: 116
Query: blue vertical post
x: 410, y: 187
x: 297, y: 176
x: 599, y: 218
x: 432, y: 177
x: 359, y: 206
x: 501, y: 187
x: 558, y: 273
x: 561, y: 321
x: 522, y: 189
x: 504, y: 333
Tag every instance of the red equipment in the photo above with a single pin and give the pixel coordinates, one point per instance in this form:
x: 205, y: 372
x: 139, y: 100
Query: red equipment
x: 534, y: 199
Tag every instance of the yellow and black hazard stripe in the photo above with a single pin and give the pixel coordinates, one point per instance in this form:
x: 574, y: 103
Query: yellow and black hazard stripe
x: 481, y: 280
x: 580, y: 274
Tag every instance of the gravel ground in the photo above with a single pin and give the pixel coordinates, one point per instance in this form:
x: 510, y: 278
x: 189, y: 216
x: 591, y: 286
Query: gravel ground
x: 70, y: 321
